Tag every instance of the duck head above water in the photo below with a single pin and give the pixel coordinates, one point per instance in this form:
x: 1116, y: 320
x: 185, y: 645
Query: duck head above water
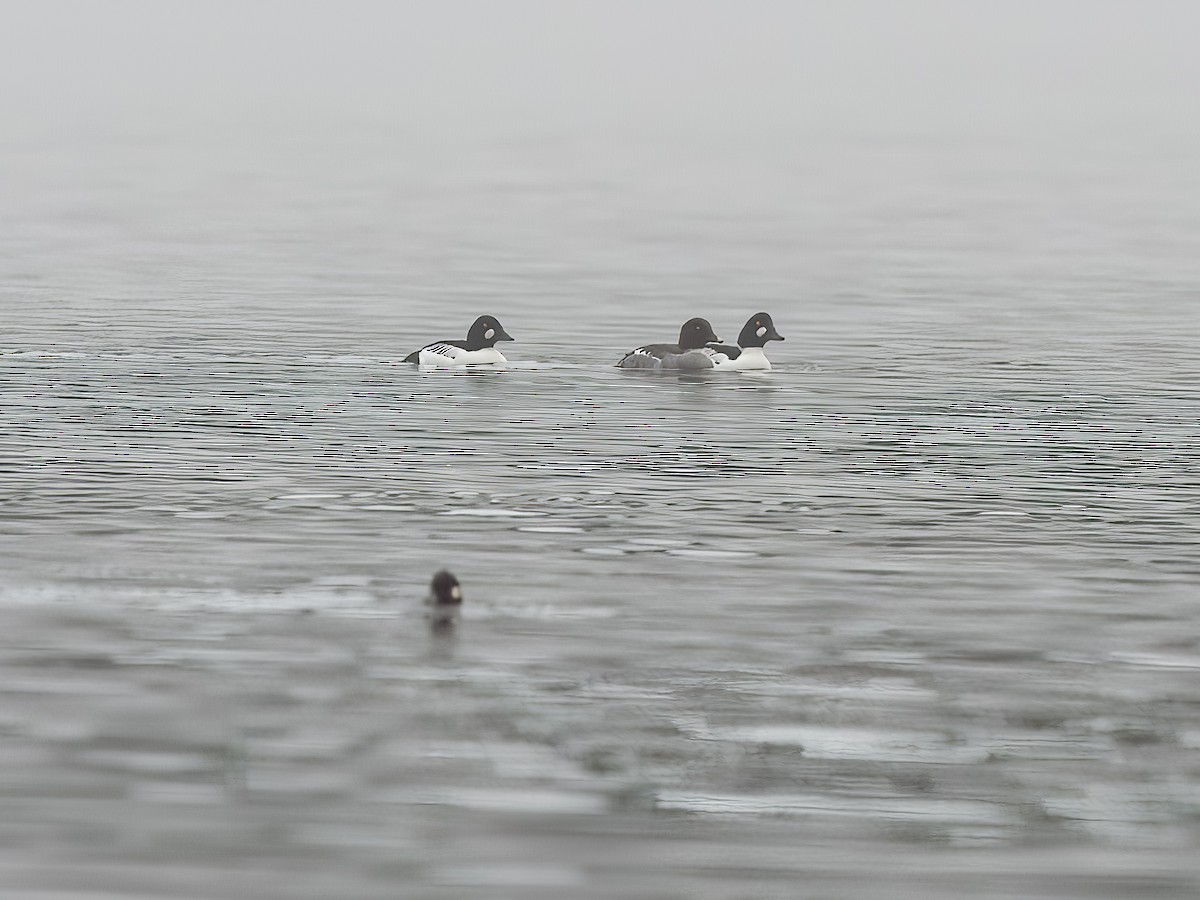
x: 445, y: 590
x: 757, y: 331
x: 695, y: 333
x: 486, y: 331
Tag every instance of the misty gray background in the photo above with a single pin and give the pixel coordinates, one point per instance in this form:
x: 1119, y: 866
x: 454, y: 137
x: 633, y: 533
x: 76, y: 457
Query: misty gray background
x: 189, y: 127
x: 915, y: 611
x: 608, y: 71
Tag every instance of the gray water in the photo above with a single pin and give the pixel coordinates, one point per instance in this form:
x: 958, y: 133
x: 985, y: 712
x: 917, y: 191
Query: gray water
x: 911, y: 614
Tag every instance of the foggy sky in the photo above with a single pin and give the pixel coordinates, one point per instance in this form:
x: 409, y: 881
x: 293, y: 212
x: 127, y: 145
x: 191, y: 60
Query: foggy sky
x: 497, y: 67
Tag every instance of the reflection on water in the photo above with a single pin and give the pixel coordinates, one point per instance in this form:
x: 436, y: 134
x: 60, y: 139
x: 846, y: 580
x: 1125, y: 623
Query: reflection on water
x: 921, y: 598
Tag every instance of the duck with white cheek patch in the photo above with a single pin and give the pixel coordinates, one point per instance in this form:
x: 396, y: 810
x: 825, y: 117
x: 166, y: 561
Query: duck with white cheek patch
x: 444, y: 602
x: 479, y: 349
x: 686, y: 355
x: 750, y: 353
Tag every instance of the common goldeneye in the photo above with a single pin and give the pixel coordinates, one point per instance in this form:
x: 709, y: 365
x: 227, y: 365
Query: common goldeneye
x: 444, y: 600
x: 687, y: 354
x: 749, y: 354
x: 478, y: 349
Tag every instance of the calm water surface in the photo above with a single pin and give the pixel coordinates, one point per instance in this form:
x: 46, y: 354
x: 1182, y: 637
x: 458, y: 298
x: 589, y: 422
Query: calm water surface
x: 916, y: 608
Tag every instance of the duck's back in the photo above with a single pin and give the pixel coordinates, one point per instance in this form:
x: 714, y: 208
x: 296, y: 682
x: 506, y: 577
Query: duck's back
x: 725, y: 350
x: 665, y: 356
x: 647, y: 357
x: 445, y: 349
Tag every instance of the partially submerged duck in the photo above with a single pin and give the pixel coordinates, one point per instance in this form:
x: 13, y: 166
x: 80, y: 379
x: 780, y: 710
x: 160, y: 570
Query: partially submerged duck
x: 444, y: 601
x: 685, y: 355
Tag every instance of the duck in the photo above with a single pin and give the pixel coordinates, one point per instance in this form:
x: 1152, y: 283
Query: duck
x: 750, y: 353
x: 688, y: 353
x: 478, y: 349
x: 445, y: 601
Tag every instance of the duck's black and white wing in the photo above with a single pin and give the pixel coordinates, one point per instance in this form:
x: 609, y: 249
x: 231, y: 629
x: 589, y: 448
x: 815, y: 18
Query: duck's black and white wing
x: 441, y: 353
x: 725, y: 350
x: 641, y: 358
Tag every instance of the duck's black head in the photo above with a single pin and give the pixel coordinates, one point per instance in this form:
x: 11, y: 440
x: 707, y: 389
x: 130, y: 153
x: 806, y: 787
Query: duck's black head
x: 445, y: 590
x: 485, y: 332
x: 758, y: 330
x: 695, y: 333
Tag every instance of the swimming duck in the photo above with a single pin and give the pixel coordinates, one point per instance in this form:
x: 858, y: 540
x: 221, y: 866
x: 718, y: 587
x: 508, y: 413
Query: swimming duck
x: 478, y: 349
x: 750, y: 352
x: 445, y: 601
x: 688, y: 353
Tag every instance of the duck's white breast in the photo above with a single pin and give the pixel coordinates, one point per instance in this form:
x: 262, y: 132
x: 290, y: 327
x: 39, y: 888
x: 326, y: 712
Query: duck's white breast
x: 750, y: 359
x: 448, y: 355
